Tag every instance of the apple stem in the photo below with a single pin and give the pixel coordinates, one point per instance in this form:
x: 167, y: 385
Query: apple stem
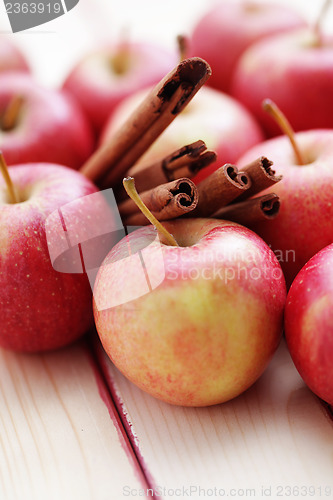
x: 130, y: 188
x: 280, y: 118
x: 121, y: 60
x: 318, y: 24
x: 182, y: 42
x: 10, y: 186
x: 10, y: 116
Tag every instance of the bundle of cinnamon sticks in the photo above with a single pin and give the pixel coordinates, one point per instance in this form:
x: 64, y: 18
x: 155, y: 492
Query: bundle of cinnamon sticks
x: 166, y: 186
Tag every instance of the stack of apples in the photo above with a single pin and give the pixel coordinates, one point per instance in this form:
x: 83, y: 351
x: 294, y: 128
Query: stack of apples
x: 208, y: 313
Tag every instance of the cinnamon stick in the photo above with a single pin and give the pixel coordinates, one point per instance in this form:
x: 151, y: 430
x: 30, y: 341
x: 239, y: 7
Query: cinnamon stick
x: 251, y: 211
x: 188, y: 161
x: 219, y: 189
x: 262, y: 176
x: 184, y: 162
x: 166, y: 201
x: 112, y: 160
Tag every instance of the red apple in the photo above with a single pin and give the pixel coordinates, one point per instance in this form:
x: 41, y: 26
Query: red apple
x: 224, y: 125
x: 197, y: 324
x: 110, y: 74
x: 309, y: 323
x: 41, y: 308
x: 230, y: 27
x: 295, y: 70
x: 305, y: 221
x: 11, y: 59
x: 49, y: 127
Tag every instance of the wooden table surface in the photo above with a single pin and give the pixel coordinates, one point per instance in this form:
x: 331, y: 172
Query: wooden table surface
x: 72, y: 427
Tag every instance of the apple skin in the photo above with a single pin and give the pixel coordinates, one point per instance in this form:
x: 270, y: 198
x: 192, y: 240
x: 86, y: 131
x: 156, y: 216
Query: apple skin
x: 51, y: 127
x: 225, y: 126
x: 99, y: 87
x: 309, y: 323
x: 11, y: 58
x: 295, y: 73
x: 199, y: 338
x: 40, y: 308
x: 234, y: 26
x: 305, y: 221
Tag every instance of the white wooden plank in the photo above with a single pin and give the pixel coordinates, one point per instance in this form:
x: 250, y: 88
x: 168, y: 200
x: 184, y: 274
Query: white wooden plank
x: 60, y: 436
x: 276, y: 436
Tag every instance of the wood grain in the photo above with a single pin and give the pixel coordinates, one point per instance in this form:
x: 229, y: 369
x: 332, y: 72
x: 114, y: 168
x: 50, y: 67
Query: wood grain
x: 60, y: 436
x: 276, y: 435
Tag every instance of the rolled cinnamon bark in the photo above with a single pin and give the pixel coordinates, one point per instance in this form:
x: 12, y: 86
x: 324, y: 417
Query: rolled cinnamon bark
x: 262, y: 177
x: 166, y: 201
x: 184, y: 162
x: 111, y: 161
x: 251, y: 211
x: 219, y: 189
x: 188, y: 161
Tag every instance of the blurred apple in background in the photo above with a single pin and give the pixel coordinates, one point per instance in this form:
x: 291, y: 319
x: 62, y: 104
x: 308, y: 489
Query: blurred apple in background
x: 207, y: 332
x: 41, y: 308
x: 305, y: 221
x: 108, y: 75
x: 309, y: 323
x: 295, y: 70
x: 48, y: 126
x: 11, y: 59
x: 224, y: 124
x: 230, y: 27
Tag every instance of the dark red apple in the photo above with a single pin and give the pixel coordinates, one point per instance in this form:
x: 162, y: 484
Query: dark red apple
x: 305, y: 221
x: 41, y: 308
x: 309, y: 323
x: 48, y: 127
x: 230, y: 27
x: 295, y: 70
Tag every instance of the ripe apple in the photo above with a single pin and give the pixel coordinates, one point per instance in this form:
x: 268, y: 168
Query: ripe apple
x: 208, y: 314
x: 295, y: 70
x: 305, y: 221
x: 110, y: 74
x: 225, y: 126
x: 11, y: 59
x: 309, y: 323
x: 230, y: 27
x: 41, y: 308
x: 49, y: 126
